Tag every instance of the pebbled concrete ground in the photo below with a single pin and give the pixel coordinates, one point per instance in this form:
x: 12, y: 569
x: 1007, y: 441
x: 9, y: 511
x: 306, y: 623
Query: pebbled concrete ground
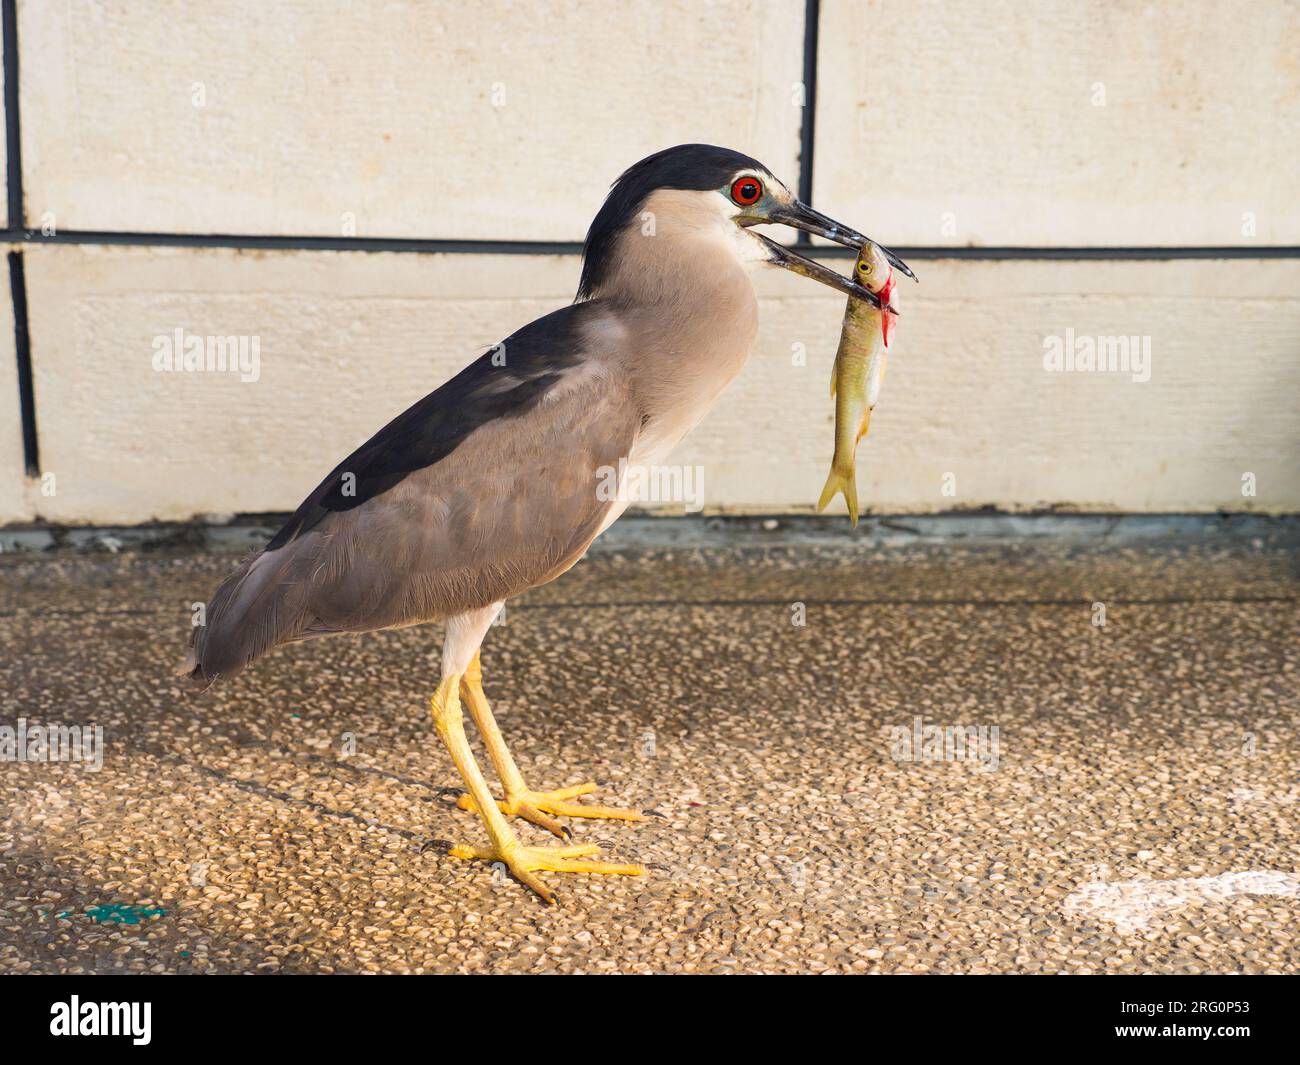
x: 1140, y: 815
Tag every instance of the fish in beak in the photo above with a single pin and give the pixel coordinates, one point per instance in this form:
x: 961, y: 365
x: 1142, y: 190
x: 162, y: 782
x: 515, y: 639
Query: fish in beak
x: 859, y: 371
x: 800, y: 216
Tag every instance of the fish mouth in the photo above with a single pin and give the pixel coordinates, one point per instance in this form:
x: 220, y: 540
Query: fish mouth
x: 800, y: 216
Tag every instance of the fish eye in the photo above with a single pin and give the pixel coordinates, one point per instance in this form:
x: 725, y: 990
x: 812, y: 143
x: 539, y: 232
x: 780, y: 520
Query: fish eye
x: 746, y: 191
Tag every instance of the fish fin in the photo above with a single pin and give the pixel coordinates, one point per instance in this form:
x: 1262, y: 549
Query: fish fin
x: 835, y: 373
x: 863, y: 425
x: 838, y: 482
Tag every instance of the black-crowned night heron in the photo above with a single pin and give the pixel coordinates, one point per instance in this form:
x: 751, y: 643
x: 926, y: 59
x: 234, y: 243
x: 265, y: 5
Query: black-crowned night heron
x: 487, y: 487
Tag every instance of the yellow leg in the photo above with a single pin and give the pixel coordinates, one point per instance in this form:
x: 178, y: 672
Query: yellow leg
x: 520, y: 800
x: 503, y: 846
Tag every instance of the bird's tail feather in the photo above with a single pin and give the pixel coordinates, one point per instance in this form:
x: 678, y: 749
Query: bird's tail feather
x: 841, y: 481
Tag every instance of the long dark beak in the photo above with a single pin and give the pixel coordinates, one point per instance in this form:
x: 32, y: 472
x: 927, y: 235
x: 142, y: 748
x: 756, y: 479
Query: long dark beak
x: 801, y: 216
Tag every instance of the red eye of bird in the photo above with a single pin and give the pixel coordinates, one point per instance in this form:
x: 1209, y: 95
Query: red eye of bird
x: 746, y: 191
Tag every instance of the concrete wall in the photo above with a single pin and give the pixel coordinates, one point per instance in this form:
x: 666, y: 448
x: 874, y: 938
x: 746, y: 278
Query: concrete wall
x: 494, y: 119
x: 1062, y: 122
x: 945, y: 125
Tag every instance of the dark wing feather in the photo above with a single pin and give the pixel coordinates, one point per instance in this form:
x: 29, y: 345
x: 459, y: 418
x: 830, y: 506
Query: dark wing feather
x: 532, y: 360
x: 483, y: 489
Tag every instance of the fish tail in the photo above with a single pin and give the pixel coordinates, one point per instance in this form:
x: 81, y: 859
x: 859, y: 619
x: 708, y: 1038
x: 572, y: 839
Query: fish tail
x: 841, y: 481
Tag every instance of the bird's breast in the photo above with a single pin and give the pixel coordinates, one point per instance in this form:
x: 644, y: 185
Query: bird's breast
x: 690, y: 358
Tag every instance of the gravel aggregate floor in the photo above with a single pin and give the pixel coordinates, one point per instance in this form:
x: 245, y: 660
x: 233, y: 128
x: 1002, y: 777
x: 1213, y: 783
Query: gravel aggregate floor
x: 1139, y: 812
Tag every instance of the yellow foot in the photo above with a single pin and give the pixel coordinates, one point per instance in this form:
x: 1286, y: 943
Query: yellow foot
x: 534, y: 806
x: 523, y: 861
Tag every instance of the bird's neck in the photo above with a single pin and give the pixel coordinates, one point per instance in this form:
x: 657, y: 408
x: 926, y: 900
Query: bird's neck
x: 683, y: 293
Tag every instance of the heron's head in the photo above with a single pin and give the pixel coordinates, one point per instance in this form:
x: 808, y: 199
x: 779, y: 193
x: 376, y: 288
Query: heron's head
x: 711, y: 191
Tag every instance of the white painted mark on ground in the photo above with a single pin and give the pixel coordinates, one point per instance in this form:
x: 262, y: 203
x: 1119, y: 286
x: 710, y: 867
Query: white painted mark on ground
x: 1272, y: 798
x: 1132, y: 904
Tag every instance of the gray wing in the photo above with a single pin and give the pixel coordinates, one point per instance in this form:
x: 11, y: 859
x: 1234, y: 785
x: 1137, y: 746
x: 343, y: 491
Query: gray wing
x: 510, y: 503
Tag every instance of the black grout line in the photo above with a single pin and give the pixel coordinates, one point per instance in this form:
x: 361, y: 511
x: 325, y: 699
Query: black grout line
x: 297, y: 243
x: 430, y: 246
x: 22, y: 345
x: 1109, y: 254
x: 13, y: 141
x: 811, y: 18
x: 14, y: 200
